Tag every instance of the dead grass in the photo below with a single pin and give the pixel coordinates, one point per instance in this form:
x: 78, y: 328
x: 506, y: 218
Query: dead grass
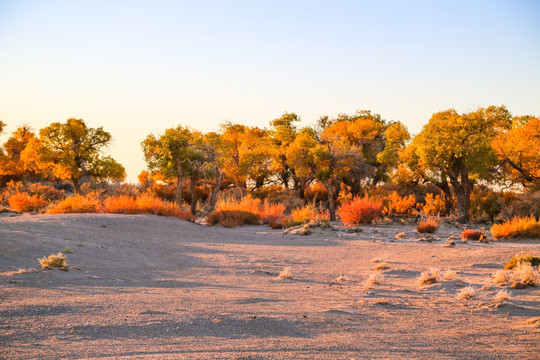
x: 449, y: 275
x: 401, y: 235
x: 525, y: 274
x: 381, y: 266
x: 429, y: 277
x: 430, y: 225
x: 360, y: 211
x: 502, y: 295
x: 373, y: 279
x: 467, y: 293
x: 56, y: 260
x: 22, y: 202
x: 341, y: 278
x: 232, y: 218
x: 285, y: 274
x: 501, y: 277
x: 518, y: 227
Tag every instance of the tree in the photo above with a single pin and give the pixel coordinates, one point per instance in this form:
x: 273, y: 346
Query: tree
x: 459, y: 147
x: 174, y: 154
x: 283, y: 132
x: 518, y: 151
x: 74, y: 151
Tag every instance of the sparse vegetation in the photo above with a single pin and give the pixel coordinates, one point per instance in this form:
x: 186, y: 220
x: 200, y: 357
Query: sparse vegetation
x: 449, y: 275
x: 501, y: 295
x: 430, y: 225
x: 232, y: 218
x: 518, y: 227
x: 53, y: 261
x: 76, y: 204
x: 373, y: 279
x: 22, y: 202
x: 285, y: 274
x: 381, y: 266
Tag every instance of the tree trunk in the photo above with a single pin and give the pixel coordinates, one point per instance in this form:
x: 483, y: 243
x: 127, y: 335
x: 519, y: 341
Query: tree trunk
x: 215, y: 190
x: 193, y: 189
x: 459, y: 178
x: 448, y: 204
x: 76, y: 185
x: 331, y: 203
x: 180, y: 180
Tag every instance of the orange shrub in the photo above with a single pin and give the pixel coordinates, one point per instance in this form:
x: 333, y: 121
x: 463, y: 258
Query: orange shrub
x: 272, y: 213
x: 23, y: 202
x: 517, y: 227
x: 434, y: 204
x: 232, y: 218
x: 46, y: 192
x: 473, y: 235
x: 316, y: 192
x: 247, y: 203
x: 307, y: 213
x: 396, y: 204
x: 430, y: 225
x: 144, y: 204
x: 76, y: 204
x: 360, y: 211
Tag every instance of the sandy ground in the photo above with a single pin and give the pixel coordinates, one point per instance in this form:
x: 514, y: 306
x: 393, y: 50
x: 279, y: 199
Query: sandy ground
x: 146, y: 287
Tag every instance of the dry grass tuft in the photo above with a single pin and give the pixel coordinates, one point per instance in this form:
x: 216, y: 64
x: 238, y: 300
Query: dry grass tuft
x: 501, y: 277
x: 467, y: 293
x: 341, y: 278
x: 285, y: 274
x: 429, y: 277
x: 518, y: 227
x: 502, y: 295
x: 53, y: 261
x: 401, y: 235
x: 308, y: 213
x: 144, y: 204
x: 381, y: 266
x: 76, y: 204
x: 375, y: 260
x: 525, y: 274
x: 449, y: 275
x: 522, y: 258
x: 246, y: 204
x: 22, y: 202
x: 430, y: 225
x: 473, y: 235
x: 360, y: 211
x: 373, y: 279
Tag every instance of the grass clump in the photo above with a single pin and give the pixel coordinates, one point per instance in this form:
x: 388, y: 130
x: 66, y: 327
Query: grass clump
x: 22, y: 202
x: 467, y: 293
x: 144, y: 204
x: 381, y: 266
x: 518, y: 227
x: 429, y: 277
x: 502, y: 295
x: 430, y: 225
x: 52, y: 261
x: 473, y: 235
x: 522, y: 258
x: 360, y: 211
x: 306, y: 214
x: 285, y: 274
x: 273, y: 215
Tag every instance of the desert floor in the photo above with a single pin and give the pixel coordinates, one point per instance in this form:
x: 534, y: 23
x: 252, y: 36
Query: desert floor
x: 147, y: 287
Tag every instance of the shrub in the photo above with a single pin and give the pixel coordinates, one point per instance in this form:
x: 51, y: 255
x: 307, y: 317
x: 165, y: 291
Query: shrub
x: 522, y: 258
x: 525, y: 275
x: 434, y: 204
x: 23, y: 202
x: 501, y: 277
x: 246, y: 204
x: 316, y: 192
x: 430, y: 225
x: 144, y: 204
x: 516, y: 228
x: 76, y: 204
x: 396, y: 204
x: 473, y: 235
x: 232, y: 218
x: 502, y: 295
x: 521, y: 205
x: 272, y: 213
x: 53, y: 261
x: 485, y: 204
x: 307, y: 213
x: 360, y: 211
x: 46, y: 192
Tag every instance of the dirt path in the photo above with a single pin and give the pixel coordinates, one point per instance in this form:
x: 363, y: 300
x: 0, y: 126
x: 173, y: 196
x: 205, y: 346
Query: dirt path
x: 148, y: 287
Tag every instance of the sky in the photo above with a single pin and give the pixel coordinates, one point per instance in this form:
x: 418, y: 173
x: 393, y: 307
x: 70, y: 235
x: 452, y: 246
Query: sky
x: 140, y: 67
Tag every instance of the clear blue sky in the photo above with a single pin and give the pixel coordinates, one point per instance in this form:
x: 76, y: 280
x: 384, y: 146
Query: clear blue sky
x: 139, y: 67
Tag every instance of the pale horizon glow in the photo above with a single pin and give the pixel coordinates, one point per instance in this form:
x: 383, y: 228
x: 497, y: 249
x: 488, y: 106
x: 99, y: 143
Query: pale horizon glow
x: 140, y: 67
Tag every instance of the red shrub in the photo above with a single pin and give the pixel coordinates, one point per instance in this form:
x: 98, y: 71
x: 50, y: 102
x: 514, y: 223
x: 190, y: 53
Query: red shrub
x: 360, y: 211
x: 473, y: 235
x: 429, y: 225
